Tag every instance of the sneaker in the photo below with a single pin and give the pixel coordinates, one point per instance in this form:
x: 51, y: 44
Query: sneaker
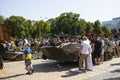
x: 100, y: 62
x: 28, y: 73
x: 79, y: 71
x: 89, y: 70
x: 32, y: 71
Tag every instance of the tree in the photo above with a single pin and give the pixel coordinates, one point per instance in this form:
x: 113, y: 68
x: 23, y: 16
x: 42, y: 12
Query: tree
x: 89, y: 27
x: 97, y: 27
x: 16, y: 25
x: 29, y: 29
x: 52, y: 23
x: 66, y: 23
x: 41, y: 28
x: 105, y: 30
x: 82, y: 27
x: 2, y: 19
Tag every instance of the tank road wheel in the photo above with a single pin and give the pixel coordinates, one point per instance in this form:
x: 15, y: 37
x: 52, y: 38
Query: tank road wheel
x: 44, y: 57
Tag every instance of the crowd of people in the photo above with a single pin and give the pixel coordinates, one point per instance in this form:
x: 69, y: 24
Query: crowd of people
x: 93, y: 50
x: 96, y: 50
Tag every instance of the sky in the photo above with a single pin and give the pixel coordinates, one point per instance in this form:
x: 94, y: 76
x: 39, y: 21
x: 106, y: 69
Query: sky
x: 90, y: 10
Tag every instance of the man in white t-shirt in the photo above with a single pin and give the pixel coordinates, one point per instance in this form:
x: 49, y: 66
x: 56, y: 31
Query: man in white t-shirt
x: 85, y: 51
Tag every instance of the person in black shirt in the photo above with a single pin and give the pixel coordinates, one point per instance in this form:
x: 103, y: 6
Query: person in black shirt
x: 97, y: 50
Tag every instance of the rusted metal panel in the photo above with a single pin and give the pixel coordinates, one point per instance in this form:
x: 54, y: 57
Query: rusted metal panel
x: 66, y: 53
x: 4, y: 32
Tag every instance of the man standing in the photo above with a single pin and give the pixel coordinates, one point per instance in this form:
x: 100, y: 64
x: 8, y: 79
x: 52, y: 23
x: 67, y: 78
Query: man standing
x: 85, y: 51
x: 2, y: 52
x: 28, y: 57
x: 97, y: 50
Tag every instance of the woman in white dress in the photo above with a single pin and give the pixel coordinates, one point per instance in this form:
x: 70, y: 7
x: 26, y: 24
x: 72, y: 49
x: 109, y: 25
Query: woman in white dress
x: 90, y: 63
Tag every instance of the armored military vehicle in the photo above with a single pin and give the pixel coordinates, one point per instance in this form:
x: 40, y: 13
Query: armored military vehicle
x: 3, y: 36
x: 65, y: 52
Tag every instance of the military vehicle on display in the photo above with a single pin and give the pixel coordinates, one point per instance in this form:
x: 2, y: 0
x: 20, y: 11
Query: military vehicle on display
x: 4, y: 33
x: 7, y: 54
x: 62, y: 51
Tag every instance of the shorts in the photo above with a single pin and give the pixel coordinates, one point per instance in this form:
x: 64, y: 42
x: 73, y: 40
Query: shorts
x: 27, y: 62
x: 97, y: 54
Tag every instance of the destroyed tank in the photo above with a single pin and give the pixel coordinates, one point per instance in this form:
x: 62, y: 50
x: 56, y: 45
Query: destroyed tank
x: 3, y: 36
x: 65, y: 52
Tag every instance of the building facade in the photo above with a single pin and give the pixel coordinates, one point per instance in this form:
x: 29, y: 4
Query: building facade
x: 112, y: 24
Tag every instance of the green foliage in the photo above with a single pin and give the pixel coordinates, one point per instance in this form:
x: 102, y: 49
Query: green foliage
x: 97, y: 27
x: 1, y: 19
x: 68, y: 23
x: 89, y: 27
x: 52, y: 23
x: 16, y: 25
x: 105, y: 30
x: 41, y: 27
x: 23, y: 28
x: 65, y: 23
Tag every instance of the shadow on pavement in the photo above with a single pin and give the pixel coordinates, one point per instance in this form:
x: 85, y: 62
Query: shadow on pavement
x: 114, y: 71
x: 71, y: 73
x: 117, y: 70
x: 57, y: 67
x: 12, y: 76
x: 116, y: 64
x: 115, y: 78
x: 54, y: 66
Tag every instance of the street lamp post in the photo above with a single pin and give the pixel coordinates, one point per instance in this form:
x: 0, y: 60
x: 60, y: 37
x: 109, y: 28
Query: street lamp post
x: 39, y: 32
x: 40, y: 28
x: 75, y: 31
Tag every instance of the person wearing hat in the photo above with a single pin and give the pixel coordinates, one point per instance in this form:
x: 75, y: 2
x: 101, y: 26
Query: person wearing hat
x: 28, y: 57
